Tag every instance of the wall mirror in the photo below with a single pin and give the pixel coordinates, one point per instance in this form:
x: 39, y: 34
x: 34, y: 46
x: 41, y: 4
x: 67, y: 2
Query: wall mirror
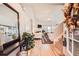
x: 9, y: 29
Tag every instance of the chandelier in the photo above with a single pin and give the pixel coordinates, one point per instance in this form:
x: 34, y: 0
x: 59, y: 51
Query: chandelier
x: 71, y: 14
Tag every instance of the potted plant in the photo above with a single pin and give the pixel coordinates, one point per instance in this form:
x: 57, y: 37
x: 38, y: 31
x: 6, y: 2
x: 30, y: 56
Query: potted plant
x: 28, y: 40
x: 13, y: 36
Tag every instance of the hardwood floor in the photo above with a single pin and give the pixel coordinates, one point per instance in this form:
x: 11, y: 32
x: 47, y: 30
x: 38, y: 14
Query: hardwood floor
x: 45, y: 50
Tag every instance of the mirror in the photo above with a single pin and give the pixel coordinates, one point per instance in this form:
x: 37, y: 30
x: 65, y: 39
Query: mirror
x: 8, y: 24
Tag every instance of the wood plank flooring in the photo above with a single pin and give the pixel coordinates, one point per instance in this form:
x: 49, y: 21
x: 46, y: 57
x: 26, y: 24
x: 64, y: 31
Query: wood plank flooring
x: 45, y: 50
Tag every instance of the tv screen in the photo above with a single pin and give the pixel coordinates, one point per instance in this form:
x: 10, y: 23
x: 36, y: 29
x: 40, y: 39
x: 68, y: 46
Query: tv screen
x: 39, y: 26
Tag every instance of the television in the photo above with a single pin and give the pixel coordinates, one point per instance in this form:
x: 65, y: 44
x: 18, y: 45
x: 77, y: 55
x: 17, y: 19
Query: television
x: 39, y: 26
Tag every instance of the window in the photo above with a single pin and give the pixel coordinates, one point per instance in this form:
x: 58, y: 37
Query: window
x: 47, y: 28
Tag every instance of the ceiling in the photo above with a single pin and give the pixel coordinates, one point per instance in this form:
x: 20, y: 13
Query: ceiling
x: 47, y: 13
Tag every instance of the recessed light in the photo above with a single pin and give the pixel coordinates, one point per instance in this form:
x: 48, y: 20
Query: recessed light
x: 49, y: 19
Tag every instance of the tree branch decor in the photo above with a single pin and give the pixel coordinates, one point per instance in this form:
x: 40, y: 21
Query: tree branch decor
x: 71, y: 14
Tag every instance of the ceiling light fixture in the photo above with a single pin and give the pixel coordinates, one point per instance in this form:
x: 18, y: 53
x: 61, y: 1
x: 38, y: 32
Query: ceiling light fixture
x: 49, y: 19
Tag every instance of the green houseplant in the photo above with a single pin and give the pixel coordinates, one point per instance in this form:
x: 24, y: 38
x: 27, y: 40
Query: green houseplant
x: 28, y: 40
x: 13, y: 36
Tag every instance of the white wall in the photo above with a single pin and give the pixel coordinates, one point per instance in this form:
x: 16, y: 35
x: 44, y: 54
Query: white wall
x: 57, y: 32
x: 30, y: 13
